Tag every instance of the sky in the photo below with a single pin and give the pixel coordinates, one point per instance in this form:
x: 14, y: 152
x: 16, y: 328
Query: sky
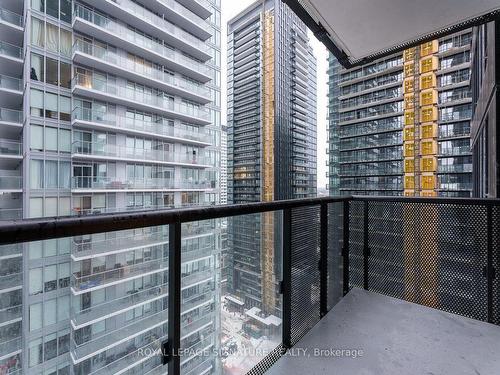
x: 229, y: 9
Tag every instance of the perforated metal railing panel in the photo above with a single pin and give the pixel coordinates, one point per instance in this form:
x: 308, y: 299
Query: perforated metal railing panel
x: 356, y: 244
x: 305, y: 277
x: 496, y: 263
x: 335, y: 243
x: 426, y: 253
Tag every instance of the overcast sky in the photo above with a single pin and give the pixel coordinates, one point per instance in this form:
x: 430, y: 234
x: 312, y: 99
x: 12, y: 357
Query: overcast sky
x: 231, y: 8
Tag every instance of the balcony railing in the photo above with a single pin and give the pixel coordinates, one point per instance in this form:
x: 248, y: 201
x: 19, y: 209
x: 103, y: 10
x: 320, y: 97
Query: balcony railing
x: 139, y: 40
x: 160, y: 127
x: 10, y: 148
x: 11, y: 83
x: 145, y: 98
x: 8, y: 182
x: 11, y: 17
x: 438, y: 252
x: 11, y: 50
x: 109, y: 150
x: 174, y: 5
x: 141, y: 69
x: 11, y: 115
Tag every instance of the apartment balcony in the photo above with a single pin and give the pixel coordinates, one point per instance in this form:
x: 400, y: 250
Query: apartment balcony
x: 12, y: 281
x: 160, y: 128
x: 455, y: 151
x: 409, y: 282
x: 11, y: 154
x: 102, y: 151
x: 11, y: 91
x: 200, y: 7
x: 11, y: 315
x: 117, y: 337
x: 104, y: 60
x: 91, y: 23
x: 120, y: 274
x: 11, y: 121
x: 141, y: 18
x: 11, y: 58
x: 10, y: 184
x: 133, y: 98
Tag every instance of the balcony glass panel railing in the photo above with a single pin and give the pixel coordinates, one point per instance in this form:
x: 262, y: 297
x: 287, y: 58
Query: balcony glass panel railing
x: 10, y: 214
x: 11, y: 115
x: 8, y: 182
x: 174, y: 5
x: 139, y: 40
x: 455, y: 168
x: 10, y: 148
x: 159, y: 126
x: 11, y: 17
x: 146, y: 98
x: 132, y: 65
x: 11, y: 50
x: 458, y: 150
x: 113, y: 183
x: 150, y: 17
x: 10, y: 83
x: 103, y: 149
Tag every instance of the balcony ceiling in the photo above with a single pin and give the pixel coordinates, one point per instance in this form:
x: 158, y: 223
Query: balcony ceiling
x: 359, y: 31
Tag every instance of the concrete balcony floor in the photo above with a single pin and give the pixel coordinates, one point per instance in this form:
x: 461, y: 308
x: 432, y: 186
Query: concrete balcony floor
x: 396, y: 337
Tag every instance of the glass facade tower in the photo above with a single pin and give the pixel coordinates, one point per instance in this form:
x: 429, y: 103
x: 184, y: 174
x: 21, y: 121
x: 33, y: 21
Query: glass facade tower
x: 107, y: 106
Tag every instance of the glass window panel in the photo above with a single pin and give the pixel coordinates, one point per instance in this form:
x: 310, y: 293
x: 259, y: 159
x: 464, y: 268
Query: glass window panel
x: 65, y: 13
x: 35, y: 283
x: 38, y: 5
x: 36, y: 102
x: 50, y: 346
x: 37, y: 68
x: 35, y: 316
x: 50, y: 278
x: 37, y: 32
x: 64, y: 140
x: 53, y: 8
x: 36, y: 207
x: 65, y: 108
x: 52, y: 72
x: 36, y: 174
x: 50, y: 248
x: 50, y: 105
x: 49, y: 312
x: 65, y: 80
x: 63, y: 308
x: 36, y: 348
x: 50, y: 139
x: 52, y: 37
x: 65, y: 210
x: 36, y: 134
x: 50, y: 207
x: 64, y: 175
x: 51, y: 174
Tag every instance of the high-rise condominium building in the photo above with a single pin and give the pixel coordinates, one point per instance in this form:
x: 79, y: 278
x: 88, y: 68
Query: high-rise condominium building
x: 271, y: 137
x: 107, y: 106
x: 401, y: 125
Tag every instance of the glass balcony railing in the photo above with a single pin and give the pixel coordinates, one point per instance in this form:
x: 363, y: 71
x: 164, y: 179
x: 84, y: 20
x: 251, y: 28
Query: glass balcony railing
x: 109, y: 150
x: 11, y: 83
x: 160, y: 126
x: 10, y: 214
x: 458, y: 150
x: 11, y: 115
x: 142, y: 69
x: 455, y: 168
x: 89, y: 182
x: 11, y: 17
x: 179, y: 9
x: 11, y: 50
x: 8, y: 182
x: 10, y: 148
x: 170, y: 28
x: 146, y: 98
x: 140, y: 40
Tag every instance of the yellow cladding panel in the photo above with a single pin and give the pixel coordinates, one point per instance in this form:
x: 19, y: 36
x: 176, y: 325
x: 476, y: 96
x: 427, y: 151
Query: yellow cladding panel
x: 408, y: 86
x: 409, y: 165
x: 409, y: 133
x: 429, y: 193
x: 409, y: 149
x: 428, y: 182
x: 409, y: 69
x: 428, y: 81
x: 428, y: 114
x: 409, y: 193
x: 429, y: 48
x: 409, y: 182
x: 428, y: 148
x: 409, y: 54
x: 409, y: 101
x: 409, y: 118
x: 429, y: 130
x: 429, y: 64
x: 428, y: 97
x: 428, y: 164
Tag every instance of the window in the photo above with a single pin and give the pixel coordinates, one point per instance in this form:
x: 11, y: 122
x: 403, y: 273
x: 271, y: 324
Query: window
x: 63, y: 308
x: 50, y: 312
x: 64, y: 175
x: 50, y: 207
x: 36, y: 174
x: 35, y: 350
x: 52, y: 72
x: 38, y: 5
x: 65, y: 80
x: 63, y: 274
x: 50, y: 278
x: 64, y: 108
x: 52, y: 37
x: 37, y: 32
x: 36, y: 103
x: 36, y: 134
x: 53, y: 8
x: 65, y: 12
x: 51, y: 105
x: 36, y: 207
x: 37, y: 68
x: 35, y: 282
x: 50, y: 346
x: 50, y: 139
x: 64, y: 140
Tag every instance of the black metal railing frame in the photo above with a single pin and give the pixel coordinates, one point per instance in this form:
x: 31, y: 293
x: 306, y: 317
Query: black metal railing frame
x: 20, y: 231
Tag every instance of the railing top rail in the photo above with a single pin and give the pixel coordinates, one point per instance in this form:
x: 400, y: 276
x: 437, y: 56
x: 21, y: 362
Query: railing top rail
x: 26, y: 230
x: 15, y: 231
